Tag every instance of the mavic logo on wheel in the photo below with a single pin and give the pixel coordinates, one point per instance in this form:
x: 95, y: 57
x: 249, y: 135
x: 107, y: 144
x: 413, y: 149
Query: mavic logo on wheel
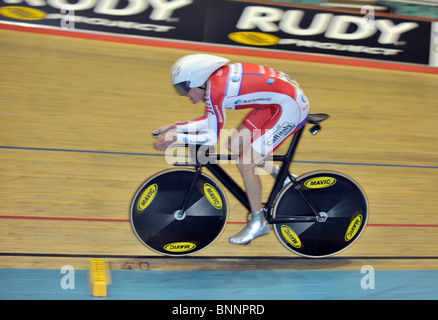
x: 291, y: 236
x: 147, y: 197
x: 179, y: 246
x: 320, y: 182
x: 213, y: 196
x: 353, y: 228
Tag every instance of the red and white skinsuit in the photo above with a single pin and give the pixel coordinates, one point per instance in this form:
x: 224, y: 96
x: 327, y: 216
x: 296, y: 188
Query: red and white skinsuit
x: 280, y: 107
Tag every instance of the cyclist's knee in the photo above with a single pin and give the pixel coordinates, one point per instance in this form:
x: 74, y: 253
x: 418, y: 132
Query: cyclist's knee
x: 247, y: 161
x: 245, y: 167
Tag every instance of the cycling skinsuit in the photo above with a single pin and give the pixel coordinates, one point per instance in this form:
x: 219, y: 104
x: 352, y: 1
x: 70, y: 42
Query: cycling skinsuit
x: 280, y: 107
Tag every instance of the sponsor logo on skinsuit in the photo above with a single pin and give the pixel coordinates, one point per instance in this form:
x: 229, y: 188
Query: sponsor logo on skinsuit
x: 280, y: 131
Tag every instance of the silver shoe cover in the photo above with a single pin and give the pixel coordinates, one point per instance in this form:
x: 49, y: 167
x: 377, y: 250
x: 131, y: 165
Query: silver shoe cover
x: 257, y: 227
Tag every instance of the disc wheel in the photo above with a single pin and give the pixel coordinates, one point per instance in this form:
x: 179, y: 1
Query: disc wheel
x: 158, y: 222
x: 335, y: 194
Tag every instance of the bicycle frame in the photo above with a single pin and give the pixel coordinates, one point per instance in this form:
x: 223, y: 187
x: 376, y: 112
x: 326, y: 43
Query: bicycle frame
x: 240, y: 194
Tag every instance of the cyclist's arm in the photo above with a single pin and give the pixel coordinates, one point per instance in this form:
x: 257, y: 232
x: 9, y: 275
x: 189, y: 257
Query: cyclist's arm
x: 195, y: 125
x: 206, y: 137
x: 203, y: 131
x: 201, y: 135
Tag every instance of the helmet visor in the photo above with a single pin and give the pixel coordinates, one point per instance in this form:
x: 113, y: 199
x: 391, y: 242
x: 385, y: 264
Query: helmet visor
x: 183, y: 87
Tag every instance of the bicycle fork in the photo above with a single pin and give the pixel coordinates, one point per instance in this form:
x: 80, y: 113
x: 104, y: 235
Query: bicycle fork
x: 284, y: 172
x: 180, y: 214
x: 318, y: 216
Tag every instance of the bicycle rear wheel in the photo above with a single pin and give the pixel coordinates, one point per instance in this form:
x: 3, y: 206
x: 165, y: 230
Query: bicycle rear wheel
x: 340, y: 197
x: 160, y: 225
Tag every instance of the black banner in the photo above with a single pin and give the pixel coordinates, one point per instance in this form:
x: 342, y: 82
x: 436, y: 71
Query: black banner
x: 174, y: 19
x: 320, y: 31
x: 239, y: 23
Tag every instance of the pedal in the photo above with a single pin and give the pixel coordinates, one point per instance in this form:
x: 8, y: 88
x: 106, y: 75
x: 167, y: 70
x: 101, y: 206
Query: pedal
x: 100, y: 277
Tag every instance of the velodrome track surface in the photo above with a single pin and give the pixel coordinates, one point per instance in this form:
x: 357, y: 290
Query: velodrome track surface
x: 75, y: 144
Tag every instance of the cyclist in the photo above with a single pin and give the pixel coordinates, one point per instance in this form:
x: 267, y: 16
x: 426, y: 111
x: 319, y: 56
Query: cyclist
x: 278, y: 108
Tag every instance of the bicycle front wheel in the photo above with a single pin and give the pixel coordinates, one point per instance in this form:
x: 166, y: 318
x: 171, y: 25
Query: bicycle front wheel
x: 160, y: 225
x: 340, y: 197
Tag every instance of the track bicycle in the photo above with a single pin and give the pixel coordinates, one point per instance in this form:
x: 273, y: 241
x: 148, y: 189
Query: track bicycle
x: 182, y: 211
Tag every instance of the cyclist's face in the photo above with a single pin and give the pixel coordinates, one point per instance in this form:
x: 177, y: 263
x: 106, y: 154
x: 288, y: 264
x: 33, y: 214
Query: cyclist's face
x: 195, y: 94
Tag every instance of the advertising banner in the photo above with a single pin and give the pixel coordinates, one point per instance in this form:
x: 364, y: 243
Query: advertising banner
x: 434, y: 45
x: 175, y: 19
x: 315, y: 30
x: 242, y: 23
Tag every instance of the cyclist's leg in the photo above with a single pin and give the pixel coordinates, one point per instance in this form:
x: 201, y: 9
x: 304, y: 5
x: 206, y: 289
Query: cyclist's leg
x: 248, y: 160
x: 261, y: 133
x: 255, y: 124
x: 238, y: 140
x: 240, y: 143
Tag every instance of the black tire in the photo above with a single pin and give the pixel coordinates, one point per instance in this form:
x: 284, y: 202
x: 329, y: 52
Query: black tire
x: 158, y: 224
x: 340, y: 197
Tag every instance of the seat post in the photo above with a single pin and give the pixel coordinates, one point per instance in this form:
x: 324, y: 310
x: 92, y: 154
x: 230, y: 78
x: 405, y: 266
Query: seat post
x: 284, y: 169
x: 294, y: 144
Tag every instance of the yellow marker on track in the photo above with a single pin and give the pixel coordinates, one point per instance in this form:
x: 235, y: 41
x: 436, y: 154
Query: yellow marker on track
x: 100, y: 277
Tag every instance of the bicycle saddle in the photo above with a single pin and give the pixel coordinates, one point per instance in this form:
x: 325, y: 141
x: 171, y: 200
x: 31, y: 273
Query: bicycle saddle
x: 317, y: 118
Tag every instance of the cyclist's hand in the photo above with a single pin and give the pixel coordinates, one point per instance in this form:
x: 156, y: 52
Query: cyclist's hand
x: 165, y: 140
x: 163, y: 129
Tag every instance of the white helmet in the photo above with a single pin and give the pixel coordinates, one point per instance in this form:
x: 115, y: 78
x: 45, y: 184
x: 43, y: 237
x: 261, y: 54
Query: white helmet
x: 193, y: 71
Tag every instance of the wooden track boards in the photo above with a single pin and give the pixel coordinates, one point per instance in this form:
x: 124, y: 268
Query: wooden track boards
x: 64, y: 100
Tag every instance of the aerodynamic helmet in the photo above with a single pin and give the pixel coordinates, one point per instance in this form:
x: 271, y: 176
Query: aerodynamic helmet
x: 193, y: 70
